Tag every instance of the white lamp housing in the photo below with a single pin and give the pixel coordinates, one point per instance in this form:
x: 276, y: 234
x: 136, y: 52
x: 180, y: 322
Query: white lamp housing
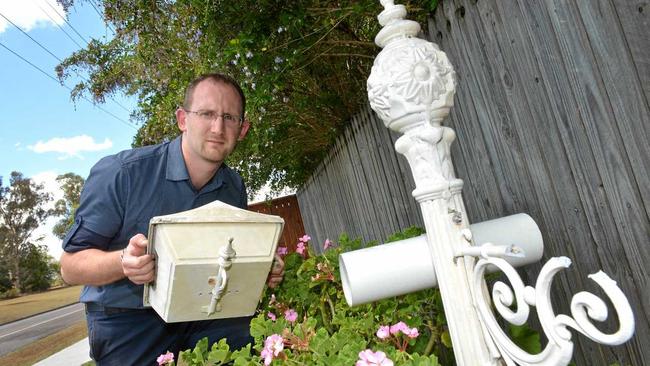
x: 211, y: 262
x: 405, y: 266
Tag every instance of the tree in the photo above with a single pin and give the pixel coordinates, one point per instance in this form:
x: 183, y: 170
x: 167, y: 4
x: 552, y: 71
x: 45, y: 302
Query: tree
x: 40, y: 269
x: 303, y: 66
x: 71, y: 185
x: 22, y: 210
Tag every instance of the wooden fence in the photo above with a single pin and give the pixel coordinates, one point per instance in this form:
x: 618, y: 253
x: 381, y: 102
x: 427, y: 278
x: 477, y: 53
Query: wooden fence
x: 553, y: 119
x: 286, y: 207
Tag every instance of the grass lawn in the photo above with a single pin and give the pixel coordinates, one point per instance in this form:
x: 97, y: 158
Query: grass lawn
x: 45, y: 347
x: 24, y: 306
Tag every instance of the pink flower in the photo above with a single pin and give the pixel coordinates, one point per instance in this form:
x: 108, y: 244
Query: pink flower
x: 401, y: 326
x: 273, y: 345
x: 328, y: 244
x: 165, y: 359
x: 383, y: 332
x: 301, y: 249
x: 271, y: 316
x: 291, y: 315
x: 282, y: 251
x: 411, y: 332
x: 370, y: 358
x: 305, y: 238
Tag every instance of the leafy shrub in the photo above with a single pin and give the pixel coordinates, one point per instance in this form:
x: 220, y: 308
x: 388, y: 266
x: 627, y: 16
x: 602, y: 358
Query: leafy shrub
x: 306, y: 321
x: 308, y: 316
x: 9, y: 294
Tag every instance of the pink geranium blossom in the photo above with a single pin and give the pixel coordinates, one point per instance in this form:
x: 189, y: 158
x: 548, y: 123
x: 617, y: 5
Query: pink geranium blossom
x: 328, y: 244
x: 271, y: 316
x: 305, y: 238
x: 282, y: 251
x: 301, y: 249
x: 273, y: 345
x: 395, y: 328
x: 165, y: 359
x: 370, y: 358
x: 290, y: 315
x: 383, y: 332
x: 411, y: 332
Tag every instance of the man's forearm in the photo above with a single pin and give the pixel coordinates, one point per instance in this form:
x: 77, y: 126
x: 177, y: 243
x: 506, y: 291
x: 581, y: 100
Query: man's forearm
x: 91, y: 267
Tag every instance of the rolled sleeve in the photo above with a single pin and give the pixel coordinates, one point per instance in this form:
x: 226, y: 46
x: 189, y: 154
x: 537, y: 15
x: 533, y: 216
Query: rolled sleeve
x: 80, y: 238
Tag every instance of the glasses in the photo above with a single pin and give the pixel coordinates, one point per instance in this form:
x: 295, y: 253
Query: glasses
x: 229, y: 120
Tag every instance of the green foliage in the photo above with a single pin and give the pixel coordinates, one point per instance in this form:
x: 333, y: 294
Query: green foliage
x: 409, y: 232
x: 40, y: 270
x: 526, y: 338
x: 329, y: 332
x: 71, y: 185
x: 22, y: 210
x: 303, y: 67
x: 218, y: 354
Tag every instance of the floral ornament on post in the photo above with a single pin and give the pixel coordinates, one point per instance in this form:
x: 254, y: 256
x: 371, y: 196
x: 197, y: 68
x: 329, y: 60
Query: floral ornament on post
x: 273, y: 346
x: 370, y: 358
x: 165, y: 359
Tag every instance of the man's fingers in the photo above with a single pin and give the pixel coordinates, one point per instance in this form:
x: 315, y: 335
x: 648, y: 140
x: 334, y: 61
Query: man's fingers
x: 278, y: 266
x: 137, y: 245
x: 142, y: 279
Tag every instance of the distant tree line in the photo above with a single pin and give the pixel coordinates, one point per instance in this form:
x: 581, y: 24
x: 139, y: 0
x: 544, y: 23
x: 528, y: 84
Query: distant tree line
x: 25, y: 265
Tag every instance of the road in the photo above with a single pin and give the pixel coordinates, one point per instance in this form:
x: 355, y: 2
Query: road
x: 22, y: 332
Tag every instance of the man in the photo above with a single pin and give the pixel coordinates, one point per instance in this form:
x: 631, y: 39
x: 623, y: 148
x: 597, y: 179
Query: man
x: 105, y: 248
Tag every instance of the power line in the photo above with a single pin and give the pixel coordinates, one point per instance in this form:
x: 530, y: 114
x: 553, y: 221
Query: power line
x: 60, y: 27
x: 92, y: 3
x: 66, y: 21
x: 57, y: 58
x: 30, y: 37
x: 65, y: 86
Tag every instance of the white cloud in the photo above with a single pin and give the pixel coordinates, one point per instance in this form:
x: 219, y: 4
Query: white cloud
x: 29, y: 14
x: 70, y: 146
x: 48, y: 180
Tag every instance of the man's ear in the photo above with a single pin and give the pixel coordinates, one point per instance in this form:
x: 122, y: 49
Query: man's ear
x: 180, y: 119
x: 244, y: 129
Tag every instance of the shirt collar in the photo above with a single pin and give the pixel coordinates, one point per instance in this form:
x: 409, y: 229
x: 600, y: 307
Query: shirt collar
x: 177, y: 171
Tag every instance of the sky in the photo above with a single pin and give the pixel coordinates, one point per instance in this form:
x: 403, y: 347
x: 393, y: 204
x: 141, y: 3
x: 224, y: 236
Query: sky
x: 43, y: 133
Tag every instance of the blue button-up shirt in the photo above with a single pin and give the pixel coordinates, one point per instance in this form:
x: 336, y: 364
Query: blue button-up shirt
x: 124, y: 191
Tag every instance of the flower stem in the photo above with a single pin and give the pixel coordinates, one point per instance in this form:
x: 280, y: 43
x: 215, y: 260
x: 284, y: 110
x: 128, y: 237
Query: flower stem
x: 326, y: 320
x: 432, y: 339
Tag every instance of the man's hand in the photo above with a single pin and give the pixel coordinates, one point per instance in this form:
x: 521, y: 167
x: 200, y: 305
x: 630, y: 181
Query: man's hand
x: 136, y: 265
x: 277, y: 272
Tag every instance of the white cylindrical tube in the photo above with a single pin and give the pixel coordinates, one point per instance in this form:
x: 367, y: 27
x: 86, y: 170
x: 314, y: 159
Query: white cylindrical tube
x: 405, y: 266
x: 386, y: 270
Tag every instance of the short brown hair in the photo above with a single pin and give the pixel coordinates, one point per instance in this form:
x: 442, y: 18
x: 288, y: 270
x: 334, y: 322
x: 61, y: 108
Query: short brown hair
x: 218, y: 78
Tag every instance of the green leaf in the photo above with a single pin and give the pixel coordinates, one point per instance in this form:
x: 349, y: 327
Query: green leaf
x: 446, y: 339
x: 526, y: 338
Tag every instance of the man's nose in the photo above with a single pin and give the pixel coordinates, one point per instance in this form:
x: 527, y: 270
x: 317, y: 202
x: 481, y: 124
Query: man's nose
x: 218, y: 124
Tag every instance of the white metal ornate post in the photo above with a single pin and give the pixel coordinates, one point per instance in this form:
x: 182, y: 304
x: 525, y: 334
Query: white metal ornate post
x: 411, y: 88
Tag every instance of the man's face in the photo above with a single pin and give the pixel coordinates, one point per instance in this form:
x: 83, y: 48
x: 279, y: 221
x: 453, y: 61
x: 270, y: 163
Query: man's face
x: 211, y: 141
